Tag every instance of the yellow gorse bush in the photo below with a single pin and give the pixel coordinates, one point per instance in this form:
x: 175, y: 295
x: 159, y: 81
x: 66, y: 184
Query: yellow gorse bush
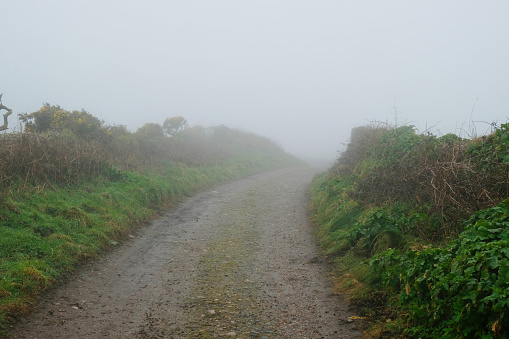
x: 53, y: 118
x: 60, y: 118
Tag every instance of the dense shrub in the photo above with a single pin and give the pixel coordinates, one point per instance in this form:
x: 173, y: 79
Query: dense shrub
x: 461, y: 290
x: 452, y: 176
x: 36, y: 159
x: 51, y: 118
x: 432, y: 211
x: 490, y: 156
x: 63, y: 147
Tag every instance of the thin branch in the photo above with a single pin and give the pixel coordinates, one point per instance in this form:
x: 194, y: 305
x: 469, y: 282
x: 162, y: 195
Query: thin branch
x: 6, y: 115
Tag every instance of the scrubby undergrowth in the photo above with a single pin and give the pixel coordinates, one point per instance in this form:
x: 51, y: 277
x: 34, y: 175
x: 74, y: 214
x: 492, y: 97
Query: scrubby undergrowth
x: 418, y: 228
x: 71, y: 187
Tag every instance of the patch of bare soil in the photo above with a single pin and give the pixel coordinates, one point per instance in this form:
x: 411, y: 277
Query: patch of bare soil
x: 238, y: 261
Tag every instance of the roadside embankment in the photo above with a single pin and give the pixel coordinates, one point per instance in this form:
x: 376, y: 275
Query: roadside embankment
x: 417, y: 226
x: 66, y: 198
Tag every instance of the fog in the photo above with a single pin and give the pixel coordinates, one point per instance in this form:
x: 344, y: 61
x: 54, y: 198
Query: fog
x: 302, y: 73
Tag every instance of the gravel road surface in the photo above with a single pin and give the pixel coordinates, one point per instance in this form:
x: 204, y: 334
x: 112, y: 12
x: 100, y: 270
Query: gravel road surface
x: 238, y: 261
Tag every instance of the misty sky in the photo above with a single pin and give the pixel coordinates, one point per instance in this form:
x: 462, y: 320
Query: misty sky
x: 302, y: 73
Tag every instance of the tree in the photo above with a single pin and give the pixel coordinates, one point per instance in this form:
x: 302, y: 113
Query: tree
x: 6, y: 115
x: 150, y: 131
x: 174, y: 124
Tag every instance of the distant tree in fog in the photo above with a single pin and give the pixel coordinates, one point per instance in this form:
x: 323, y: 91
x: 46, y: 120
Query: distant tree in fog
x: 174, y: 124
x: 150, y: 131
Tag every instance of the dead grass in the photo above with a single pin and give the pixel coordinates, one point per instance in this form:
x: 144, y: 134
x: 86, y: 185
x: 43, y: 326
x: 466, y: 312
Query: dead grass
x: 397, y: 165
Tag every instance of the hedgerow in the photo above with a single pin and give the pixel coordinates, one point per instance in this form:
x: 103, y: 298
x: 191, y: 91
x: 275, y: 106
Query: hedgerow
x: 430, y: 212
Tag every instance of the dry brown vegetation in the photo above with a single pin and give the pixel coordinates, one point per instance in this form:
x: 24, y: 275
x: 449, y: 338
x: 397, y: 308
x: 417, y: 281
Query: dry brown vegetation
x: 453, y: 177
x: 62, y: 157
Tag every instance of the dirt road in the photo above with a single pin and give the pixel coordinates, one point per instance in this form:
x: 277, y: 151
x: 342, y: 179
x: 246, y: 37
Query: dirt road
x: 238, y: 261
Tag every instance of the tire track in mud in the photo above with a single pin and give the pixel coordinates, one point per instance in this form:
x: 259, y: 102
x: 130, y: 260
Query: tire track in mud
x: 239, y: 261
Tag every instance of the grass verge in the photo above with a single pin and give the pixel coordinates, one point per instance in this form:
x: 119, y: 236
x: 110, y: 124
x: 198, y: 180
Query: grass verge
x: 46, y: 232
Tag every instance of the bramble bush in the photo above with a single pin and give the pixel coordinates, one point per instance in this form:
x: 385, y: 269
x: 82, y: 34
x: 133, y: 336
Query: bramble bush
x: 431, y: 211
x: 451, y: 176
x: 461, y: 290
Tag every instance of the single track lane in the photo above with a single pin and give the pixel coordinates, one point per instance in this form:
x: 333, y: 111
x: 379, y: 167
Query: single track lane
x: 237, y: 261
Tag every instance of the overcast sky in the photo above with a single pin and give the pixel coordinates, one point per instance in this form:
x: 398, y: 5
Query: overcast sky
x: 302, y: 73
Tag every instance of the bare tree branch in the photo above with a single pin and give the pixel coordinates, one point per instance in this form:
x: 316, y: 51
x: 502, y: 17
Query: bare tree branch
x: 6, y: 115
